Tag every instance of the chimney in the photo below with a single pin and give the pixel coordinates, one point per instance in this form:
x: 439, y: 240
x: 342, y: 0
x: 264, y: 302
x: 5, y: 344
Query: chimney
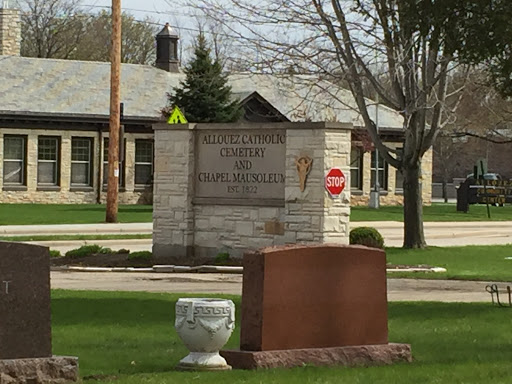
x: 10, y: 30
x: 167, y: 50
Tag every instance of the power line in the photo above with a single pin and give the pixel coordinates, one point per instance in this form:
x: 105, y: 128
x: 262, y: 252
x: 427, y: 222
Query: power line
x: 138, y: 10
x: 196, y: 30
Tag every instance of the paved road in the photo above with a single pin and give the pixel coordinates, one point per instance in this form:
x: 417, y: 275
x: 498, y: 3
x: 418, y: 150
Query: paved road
x: 398, y: 289
x: 448, y: 233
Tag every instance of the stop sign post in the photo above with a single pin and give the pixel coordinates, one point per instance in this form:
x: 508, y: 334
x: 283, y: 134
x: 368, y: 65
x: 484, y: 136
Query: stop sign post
x: 335, y: 182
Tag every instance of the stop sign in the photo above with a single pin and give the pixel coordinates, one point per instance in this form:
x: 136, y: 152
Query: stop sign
x: 335, y: 182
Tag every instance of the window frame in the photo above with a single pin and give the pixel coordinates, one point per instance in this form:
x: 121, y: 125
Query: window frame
x: 357, y: 165
x: 151, y: 164
x: 383, y: 168
x: 23, y: 161
x: 90, y: 163
x: 57, y: 161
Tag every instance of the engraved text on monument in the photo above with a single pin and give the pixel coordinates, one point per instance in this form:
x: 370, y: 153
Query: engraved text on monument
x: 241, y: 164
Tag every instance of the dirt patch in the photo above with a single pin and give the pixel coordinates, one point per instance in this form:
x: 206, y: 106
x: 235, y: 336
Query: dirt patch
x: 122, y: 260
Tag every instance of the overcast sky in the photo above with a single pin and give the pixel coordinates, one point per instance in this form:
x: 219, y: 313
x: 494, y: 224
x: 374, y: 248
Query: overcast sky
x: 156, y: 9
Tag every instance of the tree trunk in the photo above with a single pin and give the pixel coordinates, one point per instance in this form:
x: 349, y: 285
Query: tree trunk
x: 414, y: 236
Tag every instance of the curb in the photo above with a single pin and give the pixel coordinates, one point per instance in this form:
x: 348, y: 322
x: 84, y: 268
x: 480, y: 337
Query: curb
x: 202, y: 269
x: 153, y: 269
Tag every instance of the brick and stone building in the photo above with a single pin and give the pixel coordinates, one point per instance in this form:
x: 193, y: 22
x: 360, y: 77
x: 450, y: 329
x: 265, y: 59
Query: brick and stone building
x: 54, y: 123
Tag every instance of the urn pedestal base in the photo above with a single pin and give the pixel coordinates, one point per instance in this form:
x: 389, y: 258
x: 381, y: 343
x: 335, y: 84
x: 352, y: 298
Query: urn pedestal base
x: 202, y: 361
x: 358, y: 355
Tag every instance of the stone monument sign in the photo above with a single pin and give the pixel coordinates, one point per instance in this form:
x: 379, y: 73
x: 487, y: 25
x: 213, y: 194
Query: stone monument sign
x: 243, y: 186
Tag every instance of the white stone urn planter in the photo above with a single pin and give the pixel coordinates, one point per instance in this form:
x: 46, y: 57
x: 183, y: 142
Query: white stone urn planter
x: 204, y: 326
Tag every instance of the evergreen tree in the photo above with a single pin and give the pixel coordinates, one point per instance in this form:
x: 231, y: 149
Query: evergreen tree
x: 204, y: 96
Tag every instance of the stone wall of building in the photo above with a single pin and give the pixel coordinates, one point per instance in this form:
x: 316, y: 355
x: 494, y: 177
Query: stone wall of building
x: 187, y: 227
x: 10, y: 32
x: 393, y: 195
x: 65, y: 193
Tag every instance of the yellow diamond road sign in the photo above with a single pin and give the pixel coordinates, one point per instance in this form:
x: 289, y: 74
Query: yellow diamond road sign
x: 177, y: 117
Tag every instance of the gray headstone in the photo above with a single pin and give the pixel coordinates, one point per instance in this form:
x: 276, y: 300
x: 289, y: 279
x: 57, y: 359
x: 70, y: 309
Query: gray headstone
x: 25, y: 314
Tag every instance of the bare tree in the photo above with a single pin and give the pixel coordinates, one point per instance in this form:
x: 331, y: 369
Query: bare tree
x: 482, y: 112
x: 51, y: 28
x: 481, y: 127
x: 138, y: 39
x: 349, y: 42
x: 61, y: 29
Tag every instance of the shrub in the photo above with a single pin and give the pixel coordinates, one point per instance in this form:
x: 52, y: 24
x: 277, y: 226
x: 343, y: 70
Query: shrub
x: 87, y: 250
x: 140, y: 255
x: 55, y: 253
x: 222, y: 258
x: 367, y: 236
x: 123, y: 250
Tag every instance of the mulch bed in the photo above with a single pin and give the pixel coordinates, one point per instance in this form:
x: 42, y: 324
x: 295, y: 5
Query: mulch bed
x: 121, y: 260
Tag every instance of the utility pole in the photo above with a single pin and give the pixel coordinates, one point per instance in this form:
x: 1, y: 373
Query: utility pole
x: 115, y: 113
x: 375, y: 194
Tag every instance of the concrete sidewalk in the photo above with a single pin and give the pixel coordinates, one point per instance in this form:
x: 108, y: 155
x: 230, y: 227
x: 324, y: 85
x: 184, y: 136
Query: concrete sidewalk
x: 436, y: 233
x: 76, y: 229
x: 144, y: 228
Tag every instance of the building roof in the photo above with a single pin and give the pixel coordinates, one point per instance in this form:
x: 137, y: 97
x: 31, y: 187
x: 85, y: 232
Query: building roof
x: 34, y: 86
x: 78, y: 87
x: 304, y: 98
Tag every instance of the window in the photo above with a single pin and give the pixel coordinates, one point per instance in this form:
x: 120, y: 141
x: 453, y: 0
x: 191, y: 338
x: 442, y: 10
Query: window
x: 356, y: 168
x: 48, y: 161
x: 143, y: 162
x: 382, y: 170
x: 399, y: 178
x: 81, y: 161
x: 105, y: 164
x: 15, y: 160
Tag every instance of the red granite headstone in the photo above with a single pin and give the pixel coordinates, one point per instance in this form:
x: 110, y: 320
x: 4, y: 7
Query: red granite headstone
x: 25, y: 321
x: 313, y: 297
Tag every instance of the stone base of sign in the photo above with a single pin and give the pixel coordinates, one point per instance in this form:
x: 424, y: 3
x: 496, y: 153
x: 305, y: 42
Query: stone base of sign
x: 47, y: 370
x: 364, y: 355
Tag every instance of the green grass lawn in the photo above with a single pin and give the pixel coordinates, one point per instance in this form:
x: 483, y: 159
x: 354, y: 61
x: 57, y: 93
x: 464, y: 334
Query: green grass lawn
x: 129, y: 338
x: 26, y: 214
x: 33, y: 214
x: 471, y: 262
x: 435, y: 212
